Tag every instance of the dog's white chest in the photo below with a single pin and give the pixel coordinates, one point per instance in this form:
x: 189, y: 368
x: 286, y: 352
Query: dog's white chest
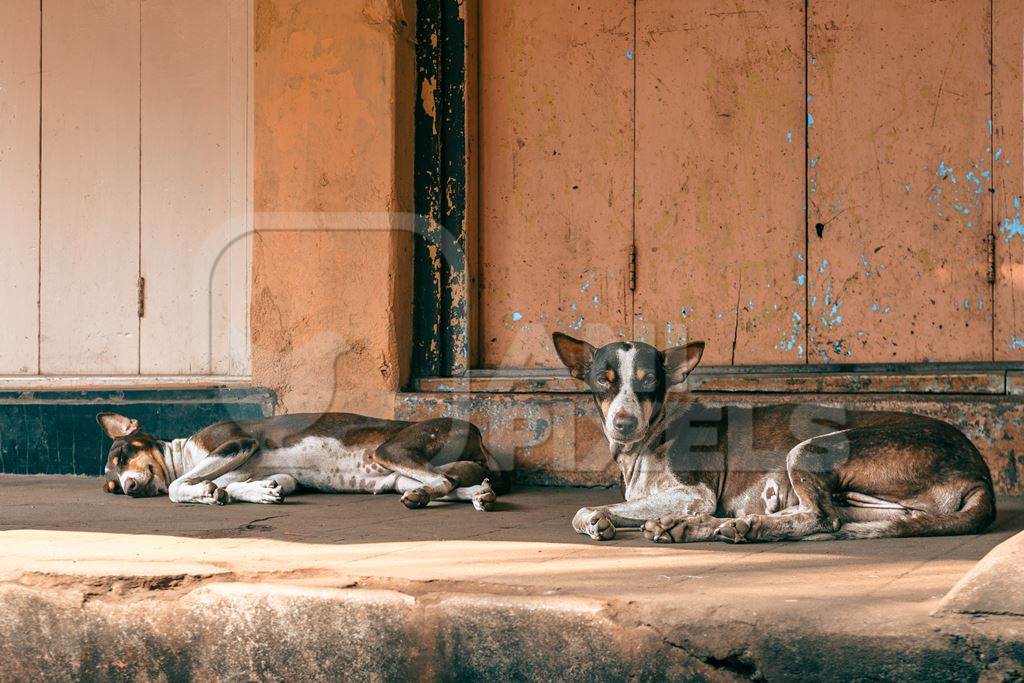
x: 323, y: 463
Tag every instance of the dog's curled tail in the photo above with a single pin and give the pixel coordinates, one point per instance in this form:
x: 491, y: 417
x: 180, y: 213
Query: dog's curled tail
x: 976, y: 513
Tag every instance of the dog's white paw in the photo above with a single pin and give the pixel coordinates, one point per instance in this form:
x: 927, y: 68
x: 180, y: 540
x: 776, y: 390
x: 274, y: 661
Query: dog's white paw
x: 266, y: 492
x: 211, y: 494
x: 594, y: 523
x: 263, y: 492
x: 484, y: 499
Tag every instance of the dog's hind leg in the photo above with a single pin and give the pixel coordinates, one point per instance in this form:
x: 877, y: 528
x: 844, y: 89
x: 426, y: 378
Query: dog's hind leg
x: 413, y: 450
x: 471, y: 484
x: 814, y: 468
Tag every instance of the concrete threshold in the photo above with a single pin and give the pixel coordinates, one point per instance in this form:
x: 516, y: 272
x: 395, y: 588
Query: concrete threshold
x: 102, y: 587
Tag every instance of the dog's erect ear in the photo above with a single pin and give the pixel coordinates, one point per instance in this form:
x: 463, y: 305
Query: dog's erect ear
x: 117, y: 426
x: 681, y: 360
x: 576, y: 354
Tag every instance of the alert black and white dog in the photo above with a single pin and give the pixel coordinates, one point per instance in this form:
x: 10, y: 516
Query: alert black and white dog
x: 261, y: 461
x: 751, y: 476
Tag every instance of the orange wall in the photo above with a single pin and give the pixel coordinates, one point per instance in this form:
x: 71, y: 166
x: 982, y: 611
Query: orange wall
x: 332, y: 266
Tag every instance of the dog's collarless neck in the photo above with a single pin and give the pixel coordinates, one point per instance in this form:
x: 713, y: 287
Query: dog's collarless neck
x: 174, y: 458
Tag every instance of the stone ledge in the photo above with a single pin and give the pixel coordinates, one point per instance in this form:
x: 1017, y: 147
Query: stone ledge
x: 280, y: 631
x: 995, y: 585
x: 358, y: 586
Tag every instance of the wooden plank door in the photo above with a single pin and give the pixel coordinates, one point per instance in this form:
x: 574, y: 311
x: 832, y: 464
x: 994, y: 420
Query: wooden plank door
x: 90, y: 187
x: 719, y: 169
x: 195, y: 250
x: 556, y: 164
x: 1008, y: 177
x: 899, y: 209
x: 19, y: 186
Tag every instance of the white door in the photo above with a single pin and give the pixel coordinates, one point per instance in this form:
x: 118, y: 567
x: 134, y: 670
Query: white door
x: 124, y: 187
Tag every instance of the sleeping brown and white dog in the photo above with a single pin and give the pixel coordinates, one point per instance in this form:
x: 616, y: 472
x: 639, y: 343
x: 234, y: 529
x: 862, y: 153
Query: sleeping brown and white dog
x: 768, y: 473
x: 261, y: 461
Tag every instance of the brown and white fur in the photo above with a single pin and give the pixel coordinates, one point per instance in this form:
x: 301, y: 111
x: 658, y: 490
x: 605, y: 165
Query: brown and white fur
x: 264, y: 460
x: 747, y: 475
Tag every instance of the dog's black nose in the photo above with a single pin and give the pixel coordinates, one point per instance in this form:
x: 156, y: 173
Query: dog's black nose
x: 130, y: 486
x: 625, y: 424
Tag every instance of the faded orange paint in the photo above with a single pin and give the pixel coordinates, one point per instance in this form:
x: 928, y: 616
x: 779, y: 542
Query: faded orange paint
x: 333, y: 102
x: 556, y: 165
x: 719, y: 178
x: 899, y: 137
x: 1008, y: 177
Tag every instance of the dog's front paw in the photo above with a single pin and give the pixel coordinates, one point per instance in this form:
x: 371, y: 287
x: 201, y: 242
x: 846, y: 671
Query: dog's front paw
x: 417, y: 498
x: 266, y: 492
x: 665, y: 529
x: 739, y: 530
x: 211, y: 494
x: 594, y: 523
x: 683, y: 529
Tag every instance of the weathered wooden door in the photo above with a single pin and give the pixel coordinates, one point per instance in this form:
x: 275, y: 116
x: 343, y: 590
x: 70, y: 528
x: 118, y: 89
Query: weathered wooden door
x: 556, y: 165
x: 719, y: 181
x: 124, y: 160
x: 799, y: 182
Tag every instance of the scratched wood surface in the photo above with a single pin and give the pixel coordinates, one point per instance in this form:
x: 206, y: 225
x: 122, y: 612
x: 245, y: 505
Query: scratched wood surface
x: 194, y: 251
x: 898, y: 121
x: 1008, y: 176
x: 19, y: 180
x: 90, y: 187
x: 556, y: 141
x: 719, y: 178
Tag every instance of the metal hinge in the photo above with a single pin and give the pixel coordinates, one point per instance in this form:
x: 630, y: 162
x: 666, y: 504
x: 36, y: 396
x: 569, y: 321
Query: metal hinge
x: 142, y: 296
x: 991, y: 239
x: 632, y: 267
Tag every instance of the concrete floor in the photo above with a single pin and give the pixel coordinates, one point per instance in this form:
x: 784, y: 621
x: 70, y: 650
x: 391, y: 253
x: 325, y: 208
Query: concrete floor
x: 57, y: 531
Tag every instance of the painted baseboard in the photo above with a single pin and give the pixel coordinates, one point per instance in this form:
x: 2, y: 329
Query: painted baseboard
x: 54, y: 431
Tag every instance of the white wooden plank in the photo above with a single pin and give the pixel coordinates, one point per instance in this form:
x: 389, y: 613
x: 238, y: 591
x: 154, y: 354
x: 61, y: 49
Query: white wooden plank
x: 90, y: 187
x: 194, y: 186
x: 19, y: 185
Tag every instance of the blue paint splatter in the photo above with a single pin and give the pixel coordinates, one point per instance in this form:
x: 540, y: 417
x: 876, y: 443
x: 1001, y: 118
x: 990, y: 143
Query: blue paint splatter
x: 517, y: 316
x: 810, y: 119
x: 824, y: 265
x: 788, y: 342
x: 1013, y: 226
x: 789, y: 137
x: 683, y: 312
x: 801, y: 279
x: 1016, y: 343
x: 629, y: 54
